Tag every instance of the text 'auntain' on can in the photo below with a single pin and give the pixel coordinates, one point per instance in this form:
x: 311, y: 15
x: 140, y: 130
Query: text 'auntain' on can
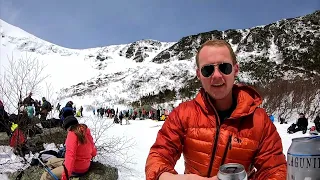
x: 303, y: 159
x: 232, y: 171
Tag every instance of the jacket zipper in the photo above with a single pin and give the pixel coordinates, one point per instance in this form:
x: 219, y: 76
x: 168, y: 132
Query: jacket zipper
x: 226, y: 150
x: 214, y: 150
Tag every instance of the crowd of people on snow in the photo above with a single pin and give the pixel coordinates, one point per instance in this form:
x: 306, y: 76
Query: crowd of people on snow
x: 75, y: 156
x: 301, y: 124
x: 132, y: 114
x: 32, y: 112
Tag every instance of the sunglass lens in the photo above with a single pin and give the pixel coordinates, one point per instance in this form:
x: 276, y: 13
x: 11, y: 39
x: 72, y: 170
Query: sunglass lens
x: 225, y: 68
x: 206, y: 71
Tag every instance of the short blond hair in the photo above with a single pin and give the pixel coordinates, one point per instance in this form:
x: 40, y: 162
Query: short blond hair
x: 217, y: 43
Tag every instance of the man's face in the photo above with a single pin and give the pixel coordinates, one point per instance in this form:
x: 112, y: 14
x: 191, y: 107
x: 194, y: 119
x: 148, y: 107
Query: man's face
x: 218, y: 85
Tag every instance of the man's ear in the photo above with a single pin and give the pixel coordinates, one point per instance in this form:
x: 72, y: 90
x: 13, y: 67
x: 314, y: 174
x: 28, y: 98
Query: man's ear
x: 198, y: 73
x: 236, y: 70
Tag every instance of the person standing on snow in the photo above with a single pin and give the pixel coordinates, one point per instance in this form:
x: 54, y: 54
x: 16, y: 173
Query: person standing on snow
x: 317, y: 122
x: 45, y: 109
x: 28, y: 101
x: 58, y: 107
x: 81, y: 110
x: 66, y: 111
x: 222, y: 124
x: 4, y: 120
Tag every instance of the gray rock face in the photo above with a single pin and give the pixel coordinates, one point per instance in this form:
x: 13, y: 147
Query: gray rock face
x: 264, y: 52
x: 97, y: 171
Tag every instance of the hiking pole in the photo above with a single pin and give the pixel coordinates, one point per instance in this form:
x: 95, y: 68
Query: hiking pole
x: 48, y: 170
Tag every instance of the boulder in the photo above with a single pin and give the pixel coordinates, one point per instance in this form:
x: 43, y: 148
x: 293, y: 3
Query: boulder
x: 55, y: 135
x: 34, y: 144
x: 97, y: 171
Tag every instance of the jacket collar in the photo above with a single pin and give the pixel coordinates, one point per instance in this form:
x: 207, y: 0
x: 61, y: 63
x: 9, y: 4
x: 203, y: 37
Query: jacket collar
x: 248, y: 100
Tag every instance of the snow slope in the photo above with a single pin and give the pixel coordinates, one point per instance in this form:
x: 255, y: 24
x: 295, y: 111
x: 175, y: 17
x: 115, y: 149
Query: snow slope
x: 67, y: 67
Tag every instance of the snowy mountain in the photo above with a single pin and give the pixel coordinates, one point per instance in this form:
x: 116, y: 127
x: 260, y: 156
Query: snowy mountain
x: 165, y: 71
x: 286, y: 49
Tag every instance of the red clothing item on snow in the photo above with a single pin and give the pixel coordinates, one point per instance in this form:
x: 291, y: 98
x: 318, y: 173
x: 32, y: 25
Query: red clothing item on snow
x: 17, y: 139
x: 78, y: 156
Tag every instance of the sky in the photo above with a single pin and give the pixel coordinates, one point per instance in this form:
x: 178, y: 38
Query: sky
x: 83, y: 24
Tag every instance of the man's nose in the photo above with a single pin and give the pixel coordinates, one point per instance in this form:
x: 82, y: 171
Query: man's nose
x: 216, y: 74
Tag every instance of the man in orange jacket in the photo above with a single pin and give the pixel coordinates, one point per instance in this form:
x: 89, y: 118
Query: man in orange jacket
x: 222, y: 124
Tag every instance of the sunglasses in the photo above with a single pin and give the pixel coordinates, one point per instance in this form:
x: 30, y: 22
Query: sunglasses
x: 208, y: 70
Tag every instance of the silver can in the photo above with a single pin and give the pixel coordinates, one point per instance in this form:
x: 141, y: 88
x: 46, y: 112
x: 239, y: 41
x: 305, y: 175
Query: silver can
x: 303, y: 159
x: 232, y: 171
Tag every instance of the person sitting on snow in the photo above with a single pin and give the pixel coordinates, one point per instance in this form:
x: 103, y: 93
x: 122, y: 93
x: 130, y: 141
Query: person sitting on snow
x: 317, y: 122
x: 292, y: 128
x: 80, y: 149
x: 302, y: 124
x: 282, y: 120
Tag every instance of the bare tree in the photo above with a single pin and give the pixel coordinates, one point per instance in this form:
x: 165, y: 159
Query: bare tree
x: 113, y: 150
x: 23, y: 75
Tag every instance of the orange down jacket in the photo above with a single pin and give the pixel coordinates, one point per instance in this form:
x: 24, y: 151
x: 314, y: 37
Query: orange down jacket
x: 247, y: 137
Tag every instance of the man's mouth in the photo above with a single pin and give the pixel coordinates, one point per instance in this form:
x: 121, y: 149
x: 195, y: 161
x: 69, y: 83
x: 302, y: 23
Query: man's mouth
x: 217, y: 85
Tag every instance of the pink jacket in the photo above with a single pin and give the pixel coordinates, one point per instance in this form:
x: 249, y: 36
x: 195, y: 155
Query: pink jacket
x: 78, y: 156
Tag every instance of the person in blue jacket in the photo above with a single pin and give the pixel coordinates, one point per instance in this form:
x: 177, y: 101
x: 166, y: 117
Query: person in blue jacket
x: 66, y: 111
x: 271, y: 118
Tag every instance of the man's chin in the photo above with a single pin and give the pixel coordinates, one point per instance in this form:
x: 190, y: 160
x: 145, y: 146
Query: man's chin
x: 217, y: 97
x: 218, y: 94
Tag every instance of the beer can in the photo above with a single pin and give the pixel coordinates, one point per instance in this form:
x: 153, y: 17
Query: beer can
x: 232, y: 171
x: 303, y: 159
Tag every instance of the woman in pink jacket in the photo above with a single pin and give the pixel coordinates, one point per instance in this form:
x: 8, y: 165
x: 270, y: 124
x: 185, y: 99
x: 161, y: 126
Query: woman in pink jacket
x: 80, y: 149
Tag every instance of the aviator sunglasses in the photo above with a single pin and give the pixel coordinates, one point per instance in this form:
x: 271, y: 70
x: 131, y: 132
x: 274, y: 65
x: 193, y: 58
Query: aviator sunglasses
x: 225, y: 68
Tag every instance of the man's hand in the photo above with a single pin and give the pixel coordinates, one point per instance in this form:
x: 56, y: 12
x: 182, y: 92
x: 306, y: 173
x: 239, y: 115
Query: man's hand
x: 169, y: 176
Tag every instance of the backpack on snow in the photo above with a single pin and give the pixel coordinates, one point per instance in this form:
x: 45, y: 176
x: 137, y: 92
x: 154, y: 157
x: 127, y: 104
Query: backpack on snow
x: 17, y: 138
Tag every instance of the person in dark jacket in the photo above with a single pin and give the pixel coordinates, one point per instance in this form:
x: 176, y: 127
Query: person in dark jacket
x: 58, y: 107
x: 120, y: 117
x: 4, y: 120
x: 101, y: 111
x: 45, y: 109
x: 3, y: 113
x: 28, y: 101
x: 302, y: 124
x: 66, y: 111
x: 317, y: 122
x: 81, y: 110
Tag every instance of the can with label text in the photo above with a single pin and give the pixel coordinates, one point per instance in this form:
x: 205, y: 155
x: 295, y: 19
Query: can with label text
x: 303, y: 159
x: 232, y: 171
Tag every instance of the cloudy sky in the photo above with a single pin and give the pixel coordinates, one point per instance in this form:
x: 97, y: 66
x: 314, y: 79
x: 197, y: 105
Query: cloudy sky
x: 93, y: 23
